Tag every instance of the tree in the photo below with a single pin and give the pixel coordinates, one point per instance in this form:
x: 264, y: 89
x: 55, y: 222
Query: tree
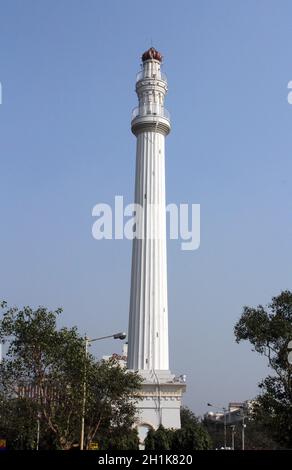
x: 188, y: 417
x: 149, y: 442
x: 256, y: 435
x: 161, y: 439
x: 191, y: 436
x: 121, y: 439
x: 45, y: 368
x: 18, y: 424
x: 216, y: 432
x: 269, y: 330
x: 111, y: 410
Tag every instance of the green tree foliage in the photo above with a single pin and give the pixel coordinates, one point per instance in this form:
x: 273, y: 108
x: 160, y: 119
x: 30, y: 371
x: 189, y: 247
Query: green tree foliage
x: 188, y: 418
x: 256, y: 435
x: 161, y: 439
x: 269, y: 330
x: 121, y: 439
x: 216, y: 432
x: 18, y: 423
x: 43, y: 375
x: 150, y: 440
x: 191, y: 436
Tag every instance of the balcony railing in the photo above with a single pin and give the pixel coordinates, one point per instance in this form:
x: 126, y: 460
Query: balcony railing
x: 158, y: 76
x: 151, y: 109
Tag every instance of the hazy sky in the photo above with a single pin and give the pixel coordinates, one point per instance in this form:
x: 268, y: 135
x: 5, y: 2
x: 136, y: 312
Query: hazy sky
x: 67, y: 70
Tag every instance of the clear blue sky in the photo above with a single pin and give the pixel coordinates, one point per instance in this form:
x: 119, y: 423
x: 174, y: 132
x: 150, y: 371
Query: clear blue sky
x: 67, y: 70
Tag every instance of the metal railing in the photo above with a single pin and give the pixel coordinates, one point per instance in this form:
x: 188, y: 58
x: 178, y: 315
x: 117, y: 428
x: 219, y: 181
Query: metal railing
x: 151, y: 109
x: 144, y: 75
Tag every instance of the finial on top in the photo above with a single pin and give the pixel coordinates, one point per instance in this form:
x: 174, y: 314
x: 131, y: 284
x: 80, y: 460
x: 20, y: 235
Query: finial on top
x: 152, y: 53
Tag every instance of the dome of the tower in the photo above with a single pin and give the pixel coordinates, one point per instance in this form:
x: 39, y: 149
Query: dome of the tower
x: 152, y: 53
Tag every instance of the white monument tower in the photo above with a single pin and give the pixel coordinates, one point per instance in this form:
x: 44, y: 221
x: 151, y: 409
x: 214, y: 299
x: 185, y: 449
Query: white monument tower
x: 148, y: 321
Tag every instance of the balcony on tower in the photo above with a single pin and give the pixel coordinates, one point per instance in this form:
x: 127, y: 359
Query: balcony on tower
x: 150, y: 109
x: 150, y: 117
x: 153, y: 73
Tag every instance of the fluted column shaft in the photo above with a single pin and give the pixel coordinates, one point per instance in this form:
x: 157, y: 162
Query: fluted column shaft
x: 148, y: 320
x: 148, y: 326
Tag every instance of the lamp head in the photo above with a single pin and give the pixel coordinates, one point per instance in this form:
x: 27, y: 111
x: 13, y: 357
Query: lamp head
x: 121, y: 335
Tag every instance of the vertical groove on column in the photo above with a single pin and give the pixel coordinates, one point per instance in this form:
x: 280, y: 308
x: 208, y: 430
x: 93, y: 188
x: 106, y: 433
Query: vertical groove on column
x: 149, y: 202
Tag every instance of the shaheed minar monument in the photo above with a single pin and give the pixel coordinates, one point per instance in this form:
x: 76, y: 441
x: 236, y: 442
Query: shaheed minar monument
x: 148, y: 320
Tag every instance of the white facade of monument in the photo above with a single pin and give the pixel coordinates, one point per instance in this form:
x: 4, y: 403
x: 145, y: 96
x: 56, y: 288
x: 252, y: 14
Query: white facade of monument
x: 148, y: 320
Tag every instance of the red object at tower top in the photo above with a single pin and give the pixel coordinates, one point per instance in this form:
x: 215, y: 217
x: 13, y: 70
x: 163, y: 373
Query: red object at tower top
x: 152, y: 53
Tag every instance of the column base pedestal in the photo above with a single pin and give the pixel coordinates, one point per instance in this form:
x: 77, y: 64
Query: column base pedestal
x: 160, y: 401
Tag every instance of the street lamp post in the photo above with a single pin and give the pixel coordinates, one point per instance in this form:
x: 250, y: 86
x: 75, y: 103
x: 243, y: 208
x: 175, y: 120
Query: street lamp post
x: 225, y: 430
x: 289, y: 347
x: 242, y: 432
x: 232, y: 436
x: 38, y: 431
x: 121, y: 336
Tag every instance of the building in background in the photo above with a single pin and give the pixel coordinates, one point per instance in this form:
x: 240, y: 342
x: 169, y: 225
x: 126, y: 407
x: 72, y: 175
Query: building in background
x: 234, y: 413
